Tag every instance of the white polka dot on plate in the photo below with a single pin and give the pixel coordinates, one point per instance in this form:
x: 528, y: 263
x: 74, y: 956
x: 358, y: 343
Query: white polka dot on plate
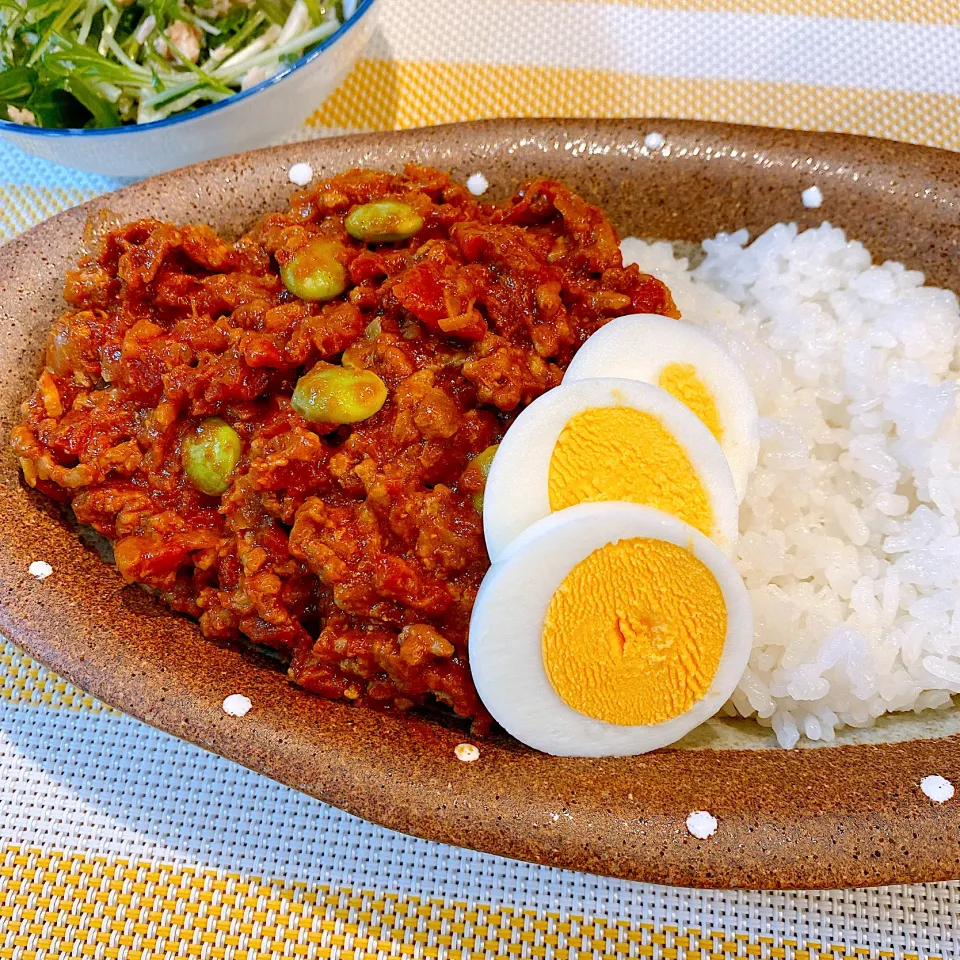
x: 300, y: 174
x: 237, y: 705
x: 40, y: 569
x: 477, y: 184
x: 702, y: 824
x: 938, y: 789
x: 466, y: 752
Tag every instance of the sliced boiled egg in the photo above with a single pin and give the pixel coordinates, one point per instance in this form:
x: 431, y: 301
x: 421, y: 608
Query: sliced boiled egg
x: 608, y: 629
x: 608, y: 439
x: 690, y: 365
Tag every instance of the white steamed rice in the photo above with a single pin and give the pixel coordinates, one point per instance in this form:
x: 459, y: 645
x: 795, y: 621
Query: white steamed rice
x: 850, y: 542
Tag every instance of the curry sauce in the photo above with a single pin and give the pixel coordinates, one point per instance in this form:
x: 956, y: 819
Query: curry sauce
x: 353, y: 549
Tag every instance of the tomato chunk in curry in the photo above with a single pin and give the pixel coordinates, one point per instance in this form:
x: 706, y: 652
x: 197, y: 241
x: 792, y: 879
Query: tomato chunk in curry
x: 355, y: 550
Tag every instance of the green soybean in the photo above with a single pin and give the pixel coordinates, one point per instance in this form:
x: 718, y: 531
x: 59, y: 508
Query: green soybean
x: 210, y: 456
x: 483, y: 461
x: 315, y: 271
x: 332, y: 394
x: 383, y: 221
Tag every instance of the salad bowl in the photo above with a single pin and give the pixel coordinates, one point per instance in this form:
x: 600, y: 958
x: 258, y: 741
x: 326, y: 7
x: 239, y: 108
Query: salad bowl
x: 265, y: 113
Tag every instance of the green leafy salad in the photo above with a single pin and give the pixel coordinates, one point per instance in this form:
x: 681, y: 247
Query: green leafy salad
x: 103, y: 63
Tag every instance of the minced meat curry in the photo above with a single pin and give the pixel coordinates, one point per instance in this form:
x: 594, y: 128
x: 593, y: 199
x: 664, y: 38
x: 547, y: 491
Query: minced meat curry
x: 287, y: 436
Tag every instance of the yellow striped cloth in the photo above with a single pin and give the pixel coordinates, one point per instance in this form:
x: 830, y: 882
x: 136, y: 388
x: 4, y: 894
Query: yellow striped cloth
x: 120, y: 842
x: 885, y: 68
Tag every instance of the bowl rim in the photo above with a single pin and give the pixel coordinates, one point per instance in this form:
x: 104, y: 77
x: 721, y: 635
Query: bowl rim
x: 26, y: 129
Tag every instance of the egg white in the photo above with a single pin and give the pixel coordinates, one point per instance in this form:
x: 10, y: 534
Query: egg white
x: 517, y: 489
x: 640, y: 345
x: 506, y: 656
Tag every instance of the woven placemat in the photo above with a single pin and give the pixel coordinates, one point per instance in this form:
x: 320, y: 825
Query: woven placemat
x: 120, y: 841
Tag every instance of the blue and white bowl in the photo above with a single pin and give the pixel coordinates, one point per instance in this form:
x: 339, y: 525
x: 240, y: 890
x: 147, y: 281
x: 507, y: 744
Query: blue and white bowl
x: 262, y: 115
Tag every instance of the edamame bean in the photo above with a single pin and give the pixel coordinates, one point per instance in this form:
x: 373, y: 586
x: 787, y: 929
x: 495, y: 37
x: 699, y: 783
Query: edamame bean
x: 332, y: 394
x: 315, y: 271
x: 483, y: 462
x: 210, y: 456
x: 383, y: 221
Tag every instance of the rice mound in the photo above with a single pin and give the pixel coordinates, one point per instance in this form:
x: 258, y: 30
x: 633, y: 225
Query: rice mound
x: 850, y: 544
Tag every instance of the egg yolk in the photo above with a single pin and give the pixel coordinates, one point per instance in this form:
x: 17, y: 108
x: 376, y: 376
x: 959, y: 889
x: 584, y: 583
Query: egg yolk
x: 618, y: 453
x: 634, y: 633
x: 681, y: 381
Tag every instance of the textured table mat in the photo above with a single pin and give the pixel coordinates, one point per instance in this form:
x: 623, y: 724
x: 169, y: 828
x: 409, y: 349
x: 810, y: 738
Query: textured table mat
x: 118, y: 841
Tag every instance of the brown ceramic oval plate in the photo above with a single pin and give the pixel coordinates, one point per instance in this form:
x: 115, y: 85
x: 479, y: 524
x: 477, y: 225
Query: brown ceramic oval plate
x: 838, y: 816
